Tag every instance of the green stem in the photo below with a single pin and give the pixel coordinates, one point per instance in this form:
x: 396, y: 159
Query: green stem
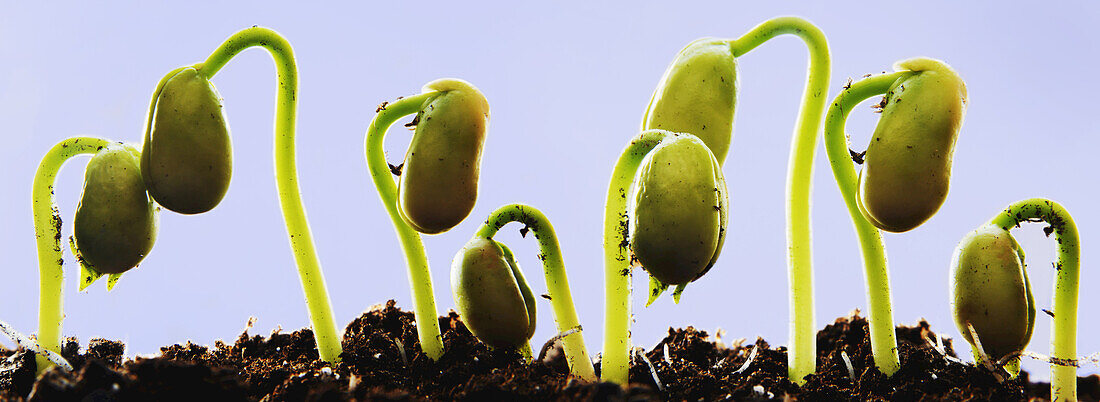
x: 557, y: 282
x: 616, y: 342
x: 47, y: 233
x: 525, y: 350
x: 801, y: 356
x: 420, y: 276
x: 880, y: 318
x: 1063, y: 342
x: 286, y: 176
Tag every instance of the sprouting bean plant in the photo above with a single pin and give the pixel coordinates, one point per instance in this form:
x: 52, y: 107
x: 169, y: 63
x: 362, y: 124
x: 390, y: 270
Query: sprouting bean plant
x: 494, y: 299
x: 697, y: 96
x: 906, y: 171
x: 114, y: 228
x: 991, y: 293
x: 438, y: 179
x: 668, y: 193
x: 187, y: 161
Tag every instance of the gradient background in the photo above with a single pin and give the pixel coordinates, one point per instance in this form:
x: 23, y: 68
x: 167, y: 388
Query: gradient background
x: 567, y: 85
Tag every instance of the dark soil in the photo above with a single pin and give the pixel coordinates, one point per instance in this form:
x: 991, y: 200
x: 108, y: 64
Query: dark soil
x: 694, y: 367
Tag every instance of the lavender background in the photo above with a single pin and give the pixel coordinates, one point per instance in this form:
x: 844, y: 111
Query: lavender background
x: 567, y: 85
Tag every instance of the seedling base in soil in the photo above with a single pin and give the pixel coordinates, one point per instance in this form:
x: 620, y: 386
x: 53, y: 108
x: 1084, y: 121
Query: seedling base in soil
x: 285, y: 366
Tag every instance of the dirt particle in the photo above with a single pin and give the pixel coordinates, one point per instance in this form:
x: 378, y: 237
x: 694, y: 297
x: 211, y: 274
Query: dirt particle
x: 857, y: 157
x: 412, y: 124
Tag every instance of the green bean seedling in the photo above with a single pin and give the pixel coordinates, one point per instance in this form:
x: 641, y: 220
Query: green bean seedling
x: 187, y: 161
x: 493, y: 297
x: 991, y: 293
x: 114, y: 228
x: 697, y: 96
x: 438, y: 179
x: 905, y: 175
x: 666, y: 205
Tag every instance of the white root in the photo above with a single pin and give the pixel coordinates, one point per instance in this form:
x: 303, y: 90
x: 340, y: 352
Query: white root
x: 550, y: 343
x: 1093, y: 359
x: 937, y: 345
x: 652, y: 370
x: 848, y: 364
x: 33, y: 346
x: 984, y: 359
x: 401, y: 349
x: 720, y: 361
x: 752, y: 356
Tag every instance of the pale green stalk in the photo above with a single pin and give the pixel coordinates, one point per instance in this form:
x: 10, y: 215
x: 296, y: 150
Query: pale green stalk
x: 617, y: 274
x: 420, y: 276
x: 1063, y: 326
x: 802, y: 345
x: 525, y: 351
x: 880, y: 317
x: 557, y: 282
x: 47, y: 233
x: 286, y: 176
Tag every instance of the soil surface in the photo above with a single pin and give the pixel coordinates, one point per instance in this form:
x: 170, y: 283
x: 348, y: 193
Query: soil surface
x: 382, y: 360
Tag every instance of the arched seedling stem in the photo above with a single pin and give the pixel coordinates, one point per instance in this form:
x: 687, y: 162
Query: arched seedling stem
x: 880, y: 317
x: 420, y: 276
x: 286, y: 172
x: 802, y: 343
x: 47, y: 233
x: 443, y: 188
x: 1063, y: 343
x: 617, y: 273
x: 557, y: 282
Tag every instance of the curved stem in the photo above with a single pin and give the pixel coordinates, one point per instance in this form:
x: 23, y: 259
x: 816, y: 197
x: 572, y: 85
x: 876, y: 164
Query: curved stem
x: 1063, y: 342
x: 286, y: 176
x: 557, y: 282
x: 880, y: 317
x: 47, y: 233
x: 802, y: 356
x: 616, y: 342
x: 420, y: 276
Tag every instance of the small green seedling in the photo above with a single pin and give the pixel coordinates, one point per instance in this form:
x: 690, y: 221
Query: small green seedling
x: 666, y: 205
x: 187, y: 161
x: 905, y: 175
x: 114, y: 228
x: 697, y: 96
x: 992, y: 294
x: 438, y: 179
x: 494, y: 300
